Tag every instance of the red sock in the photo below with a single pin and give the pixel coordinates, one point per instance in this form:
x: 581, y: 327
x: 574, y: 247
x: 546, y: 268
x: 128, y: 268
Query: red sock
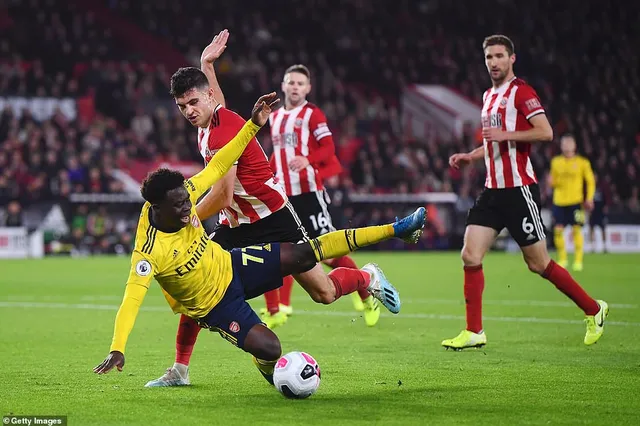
x: 347, y: 280
x: 188, y: 330
x: 473, y: 287
x: 273, y: 301
x: 285, y: 290
x: 566, y: 284
x: 347, y: 262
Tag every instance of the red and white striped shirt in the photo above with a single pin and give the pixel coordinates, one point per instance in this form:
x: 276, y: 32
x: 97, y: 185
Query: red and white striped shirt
x: 302, y: 131
x: 509, y: 107
x: 256, y: 191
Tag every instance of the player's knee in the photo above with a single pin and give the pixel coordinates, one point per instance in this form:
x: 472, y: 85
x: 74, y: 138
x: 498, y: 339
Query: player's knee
x: 262, y: 343
x: 324, y: 296
x: 537, y: 265
x: 299, y: 258
x: 271, y: 350
x: 471, y: 256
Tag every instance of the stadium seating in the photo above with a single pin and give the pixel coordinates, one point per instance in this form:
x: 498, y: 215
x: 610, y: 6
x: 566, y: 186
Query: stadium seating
x: 579, y: 59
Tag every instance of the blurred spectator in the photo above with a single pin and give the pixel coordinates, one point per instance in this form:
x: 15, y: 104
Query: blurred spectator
x: 80, y: 218
x: 359, y: 67
x: 98, y: 222
x: 14, y: 216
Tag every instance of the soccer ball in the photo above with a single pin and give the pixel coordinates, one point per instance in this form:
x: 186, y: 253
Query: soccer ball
x: 297, y: 375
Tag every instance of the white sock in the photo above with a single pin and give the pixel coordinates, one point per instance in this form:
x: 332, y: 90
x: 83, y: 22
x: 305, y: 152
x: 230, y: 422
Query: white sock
x: 181, y: 369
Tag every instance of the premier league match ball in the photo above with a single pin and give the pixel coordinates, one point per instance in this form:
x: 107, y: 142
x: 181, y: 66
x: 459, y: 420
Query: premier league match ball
x: 297, y: 375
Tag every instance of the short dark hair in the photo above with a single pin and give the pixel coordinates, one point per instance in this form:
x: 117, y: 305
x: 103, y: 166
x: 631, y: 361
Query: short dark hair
x: 185, y: 79
x: 499, y: 40
x: 156, y: 185
x: 299, y: 68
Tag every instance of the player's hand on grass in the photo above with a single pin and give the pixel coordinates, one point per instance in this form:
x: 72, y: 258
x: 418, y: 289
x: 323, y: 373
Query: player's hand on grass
x: 215, y: 48
x: 588, y: 205
x: 458, y: 161
x: 298, y: 163
x: 115, y: 359
x: 263, y: 108
x: 493, y: 134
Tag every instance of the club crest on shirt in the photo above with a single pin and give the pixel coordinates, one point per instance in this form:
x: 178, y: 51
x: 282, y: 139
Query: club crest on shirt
x: 298, y: 123
x: 209, y: 153
x: 194, y: 221
x: 503, y: 103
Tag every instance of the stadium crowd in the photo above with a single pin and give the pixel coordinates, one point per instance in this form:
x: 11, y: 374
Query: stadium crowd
x: 578, y: 58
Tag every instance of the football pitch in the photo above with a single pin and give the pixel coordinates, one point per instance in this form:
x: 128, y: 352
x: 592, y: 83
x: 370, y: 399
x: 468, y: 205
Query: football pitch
x: 57, y: 319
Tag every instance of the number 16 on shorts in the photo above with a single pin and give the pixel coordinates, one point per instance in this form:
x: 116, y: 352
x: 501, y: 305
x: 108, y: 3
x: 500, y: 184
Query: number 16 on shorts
x: 321, y: 223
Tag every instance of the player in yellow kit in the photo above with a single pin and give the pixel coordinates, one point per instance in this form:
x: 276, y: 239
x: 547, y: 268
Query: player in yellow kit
x: 569, y: 172
x: 205, y: 282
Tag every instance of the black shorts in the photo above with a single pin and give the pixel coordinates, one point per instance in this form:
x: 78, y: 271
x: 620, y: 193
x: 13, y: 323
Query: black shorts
x: 517, y: 209
x: 597, y: 218
x: 256, y: 270
x: 283, y: 226
x: 313, y: 210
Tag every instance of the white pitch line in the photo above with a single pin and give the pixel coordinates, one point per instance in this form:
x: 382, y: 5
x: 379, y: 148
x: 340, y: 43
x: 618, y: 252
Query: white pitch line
x: 541, y: 303
x: 408, y: 301
x: 89, y: 306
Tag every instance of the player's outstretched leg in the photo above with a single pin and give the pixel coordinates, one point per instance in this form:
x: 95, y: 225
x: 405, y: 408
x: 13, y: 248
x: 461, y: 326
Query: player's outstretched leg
x: 342, y: 242
x: 596, y: 311
x: 300, y: 260
x: 178, y: 374
x: 362, y: 300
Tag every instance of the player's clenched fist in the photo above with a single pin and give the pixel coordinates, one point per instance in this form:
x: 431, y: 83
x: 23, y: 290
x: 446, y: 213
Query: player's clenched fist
x: 115, y: 359
x: 459, y: 160
x: 263, y: 108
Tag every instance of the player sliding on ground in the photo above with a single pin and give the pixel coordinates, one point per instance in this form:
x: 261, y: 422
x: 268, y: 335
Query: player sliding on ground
x: 211, y: 285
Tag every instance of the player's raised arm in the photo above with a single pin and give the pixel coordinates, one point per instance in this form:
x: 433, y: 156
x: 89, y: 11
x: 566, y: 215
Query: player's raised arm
x: 231, y: 152
x: 209, y: 55
x: 140, y: 275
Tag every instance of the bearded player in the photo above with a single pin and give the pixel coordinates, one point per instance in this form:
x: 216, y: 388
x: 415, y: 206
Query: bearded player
x: 512, y: 119
x: 302, y: 148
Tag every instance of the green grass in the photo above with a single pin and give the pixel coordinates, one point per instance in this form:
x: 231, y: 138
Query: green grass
x: 57, y: 318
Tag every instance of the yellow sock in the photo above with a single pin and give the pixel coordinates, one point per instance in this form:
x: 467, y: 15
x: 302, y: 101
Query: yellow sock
x: 558, y: 240
x: 265, y: 367
x: 578, y: 241
x: 339, y: 243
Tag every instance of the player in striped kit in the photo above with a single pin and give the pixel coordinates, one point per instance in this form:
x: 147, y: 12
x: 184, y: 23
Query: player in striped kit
x: 512, y: 119
x: 302, y: 148
x: 253, y: 204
